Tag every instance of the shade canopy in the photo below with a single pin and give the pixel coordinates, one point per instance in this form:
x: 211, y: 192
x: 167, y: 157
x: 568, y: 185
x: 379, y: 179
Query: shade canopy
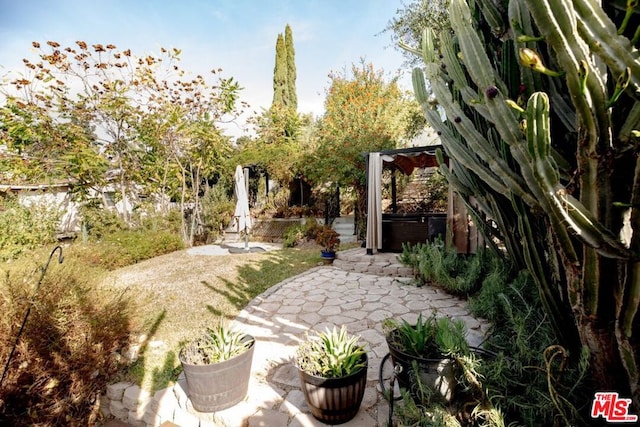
x: 404, y: 160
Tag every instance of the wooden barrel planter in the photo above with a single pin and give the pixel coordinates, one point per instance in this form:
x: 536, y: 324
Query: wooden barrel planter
x: 220, y: 385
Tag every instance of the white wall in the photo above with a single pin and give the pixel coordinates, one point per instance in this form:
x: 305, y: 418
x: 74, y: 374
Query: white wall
x: 58, y: 200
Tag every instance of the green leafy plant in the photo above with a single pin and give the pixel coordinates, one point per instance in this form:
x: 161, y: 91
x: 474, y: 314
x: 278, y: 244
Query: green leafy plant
x: 441, y: 338
x: 328, y: 238
x: 439, y: 263
x: 25, y: 227
x: 293, y: 236
x: 332, y: 354
x: 217, y: 209
x: 428, y: 337
x: 99, y: 221
x: 311, y: 228
x: 217, y: 344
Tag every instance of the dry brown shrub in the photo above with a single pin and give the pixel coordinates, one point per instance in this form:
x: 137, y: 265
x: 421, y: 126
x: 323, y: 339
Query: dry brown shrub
x: 68, y: 350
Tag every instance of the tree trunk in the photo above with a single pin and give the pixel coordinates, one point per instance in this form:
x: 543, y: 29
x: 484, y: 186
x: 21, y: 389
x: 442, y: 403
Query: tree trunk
x: 606, y: 366
x: 183, y: 209
x: 124, y: 197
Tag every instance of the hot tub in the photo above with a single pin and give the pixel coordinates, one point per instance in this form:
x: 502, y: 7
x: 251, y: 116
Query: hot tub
x: 412, y: 228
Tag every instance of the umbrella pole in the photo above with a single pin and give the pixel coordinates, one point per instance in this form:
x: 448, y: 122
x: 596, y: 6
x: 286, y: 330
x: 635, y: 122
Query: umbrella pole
x: 246, y: 239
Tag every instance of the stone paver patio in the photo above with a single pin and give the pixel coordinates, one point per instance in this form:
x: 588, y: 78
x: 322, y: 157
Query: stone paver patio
x: 321, y: 298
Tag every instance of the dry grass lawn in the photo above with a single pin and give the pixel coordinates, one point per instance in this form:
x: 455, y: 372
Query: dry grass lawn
x: 179, y: 294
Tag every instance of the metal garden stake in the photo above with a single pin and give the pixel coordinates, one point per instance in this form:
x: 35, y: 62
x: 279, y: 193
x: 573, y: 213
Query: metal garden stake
x: 32, y: 300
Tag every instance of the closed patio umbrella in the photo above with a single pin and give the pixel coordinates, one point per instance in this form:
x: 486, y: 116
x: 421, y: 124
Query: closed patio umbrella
x: 242, y: 216
x: 374, y: 203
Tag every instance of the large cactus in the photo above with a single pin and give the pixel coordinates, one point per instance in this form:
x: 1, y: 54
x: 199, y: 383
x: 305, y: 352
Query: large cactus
x: 542, y: 115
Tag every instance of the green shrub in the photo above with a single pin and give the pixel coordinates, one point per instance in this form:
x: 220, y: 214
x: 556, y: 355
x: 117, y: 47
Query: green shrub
x: 524, y: 356
x: 217, y: 211
x: 485, y: 303
x: 441, y: 264
x: 521, y: 336
x: 25, y: 228
x: 67, y: 353
x: 311, y: 228
x: 293, y: 236
x: 169, y: 222
x: 128, y: 247
x: 99, y: 222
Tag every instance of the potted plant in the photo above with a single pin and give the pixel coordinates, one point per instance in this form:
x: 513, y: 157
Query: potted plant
x: 217, y: 367
x: 424, y: 353
x: 332, y: 367
x: 329, y: 239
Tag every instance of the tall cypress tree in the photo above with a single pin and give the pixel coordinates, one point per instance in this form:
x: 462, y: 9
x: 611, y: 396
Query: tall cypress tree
x: 291, y: 69
x: 284, y: 72
x: 280, y: 85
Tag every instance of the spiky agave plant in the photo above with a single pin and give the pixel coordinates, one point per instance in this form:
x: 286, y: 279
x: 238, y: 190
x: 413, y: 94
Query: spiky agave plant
x: 331, y: 354
x: 219, y: 343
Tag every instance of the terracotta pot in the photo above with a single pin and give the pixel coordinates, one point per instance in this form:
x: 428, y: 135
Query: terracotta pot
x: 334, y: 400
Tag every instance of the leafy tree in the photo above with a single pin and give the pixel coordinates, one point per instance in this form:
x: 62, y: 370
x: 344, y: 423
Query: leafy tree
x: 182, y: 141
x: 80, y: 110
x: 407, y: 25
x: 278, y: 148
x: 363, y: 112
x: 41, y: 147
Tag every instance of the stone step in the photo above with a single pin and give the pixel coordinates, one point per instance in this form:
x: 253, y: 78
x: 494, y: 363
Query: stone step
x: 344, y: 226
x: 384, y: 264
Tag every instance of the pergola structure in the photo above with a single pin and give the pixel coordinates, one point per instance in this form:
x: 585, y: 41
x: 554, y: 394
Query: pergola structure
x: 387, y: 232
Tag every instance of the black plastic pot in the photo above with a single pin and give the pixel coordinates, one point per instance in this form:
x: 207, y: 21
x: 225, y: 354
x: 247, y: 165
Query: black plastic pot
x: 426, y: 379
x: 220, y: 385
x: 334, y: 400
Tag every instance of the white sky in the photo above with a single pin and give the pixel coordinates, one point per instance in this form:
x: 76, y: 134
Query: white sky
x: 238, y: 36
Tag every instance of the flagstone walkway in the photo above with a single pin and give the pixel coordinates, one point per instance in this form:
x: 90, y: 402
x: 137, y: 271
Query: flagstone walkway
x: 359, y: 291
x: 321, y: 298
